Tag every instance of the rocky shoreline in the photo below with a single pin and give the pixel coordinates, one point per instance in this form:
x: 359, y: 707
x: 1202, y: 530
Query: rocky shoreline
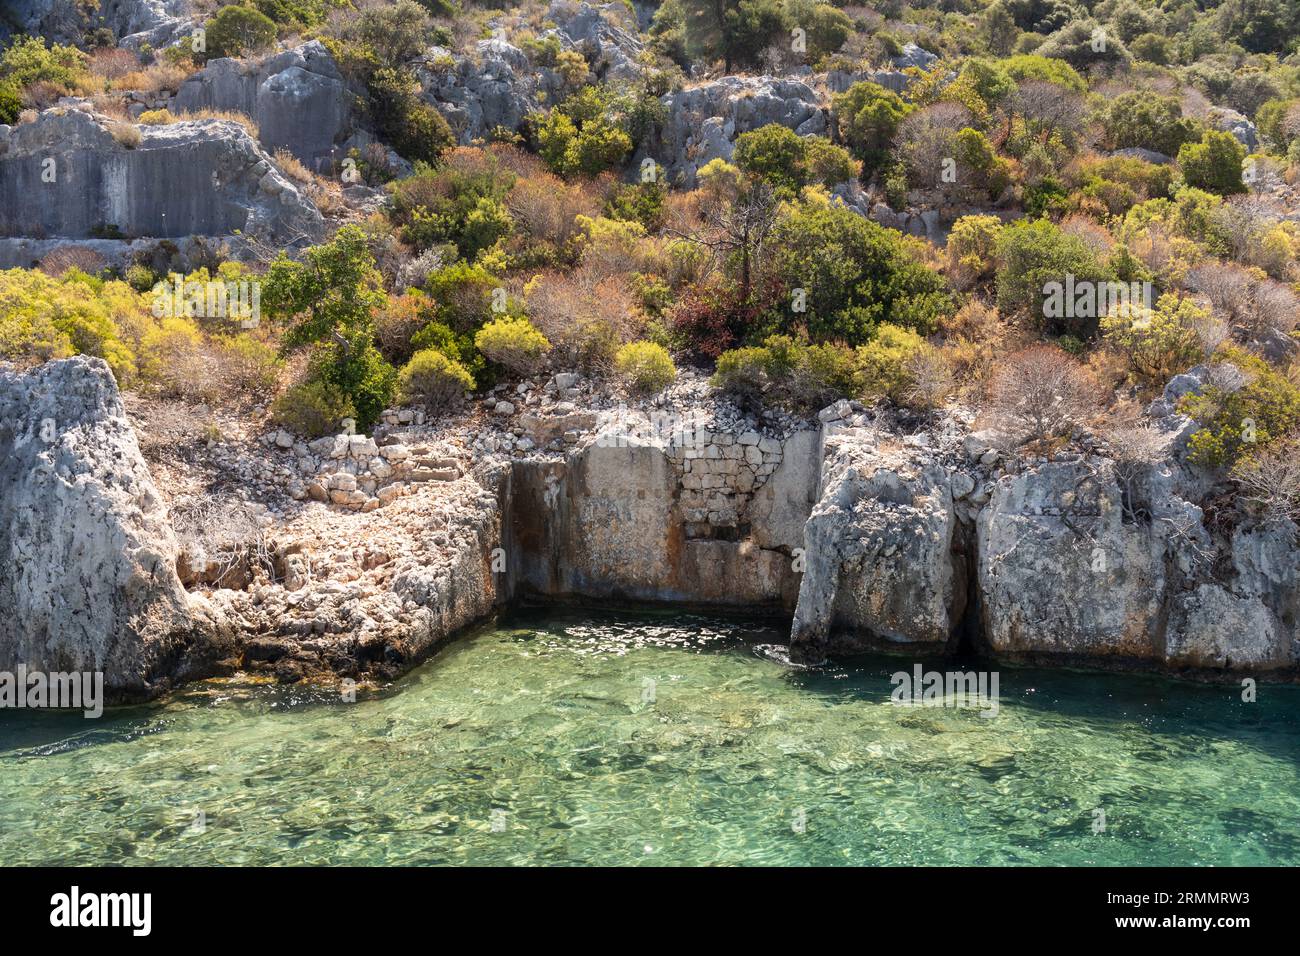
x: 869, y: 534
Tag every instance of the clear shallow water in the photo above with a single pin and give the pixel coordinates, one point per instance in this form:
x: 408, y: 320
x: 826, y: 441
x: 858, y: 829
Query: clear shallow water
x: 531, y: 743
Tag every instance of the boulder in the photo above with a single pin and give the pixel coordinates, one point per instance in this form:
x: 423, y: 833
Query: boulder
x: 1061, y: 573
x: 89, y: 554
x: 298, y: 99
x: 498, y: 87
x: 200, y: 177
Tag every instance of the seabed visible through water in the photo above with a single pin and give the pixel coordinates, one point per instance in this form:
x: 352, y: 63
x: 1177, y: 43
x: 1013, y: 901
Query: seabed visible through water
x: 581, y: 737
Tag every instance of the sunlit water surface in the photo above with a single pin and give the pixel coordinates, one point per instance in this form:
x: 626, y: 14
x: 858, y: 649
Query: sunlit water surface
x: 566, y: 737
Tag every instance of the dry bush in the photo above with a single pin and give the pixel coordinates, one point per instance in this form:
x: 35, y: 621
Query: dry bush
x: 113, y: 62
x: 42, y: 94
x: 1040, y: 393
x: 1270, y: 481
x: 292, y: 166
x: 546, y: 208
x: 1093, y: 234
x: 63, y: 258
x: 1134, y: 447
x: 125, y: 134
x: 931, y: 379
x: 585, y: 315
x: 1226, y: 285
x: 153, y: 79
x: 1276, y: 306
x: 227, y: 116
x: 973, y: 338
x: 221, y: 541
x: 925, y: 140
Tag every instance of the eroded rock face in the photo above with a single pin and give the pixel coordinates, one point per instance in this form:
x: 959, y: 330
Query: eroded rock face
x: 703, y: 122
x: 882, y: 545
x: 605, y: 35
x: 89, y: 555
x: 1060, y: 572
x: 298, y: 99
x: 498, y: 87
x: 682, y: 517
x: 66, y: 175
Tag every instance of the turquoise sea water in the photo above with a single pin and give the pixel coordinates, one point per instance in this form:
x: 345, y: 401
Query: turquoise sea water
x: 568, y: 737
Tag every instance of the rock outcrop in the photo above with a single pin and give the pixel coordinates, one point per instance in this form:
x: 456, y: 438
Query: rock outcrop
x: 74, y: 174
x: 297, y: 98
x: 883, y: 549
x: 497, y: 87
x: 704, y: 121
x: 90, y: 579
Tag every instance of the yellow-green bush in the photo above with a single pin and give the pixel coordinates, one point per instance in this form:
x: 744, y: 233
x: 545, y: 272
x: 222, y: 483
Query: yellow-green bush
x: 312, y: 409
x: 433, y: 380
x: 1237, y: 423
x: 514, y: 343
x: 883, y: 362
x: 43, y: 317
x: 646, y: 367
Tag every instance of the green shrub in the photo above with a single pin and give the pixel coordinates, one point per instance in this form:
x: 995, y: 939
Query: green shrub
x: 578, y: 137
x: 238, y: 31
x: 312, y: 409
x: 1214, y: 164
x: 433, y: 380
x: 1032, y: 254
x: 1158, y: 344
x: 514, y: 343
x: 853, y: 274
x: 1143, y: 120
x: 868, y: 116
x: 647, y: 368
x: 789, y: 161
x: 414, y: 128
x: 1237, y: 423
x: 882, y: 363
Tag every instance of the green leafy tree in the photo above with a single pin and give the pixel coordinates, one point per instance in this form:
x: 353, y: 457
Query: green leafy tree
x: 238, y: 31
x: 840, y: 275
x: 734, y: 31
x: 1214, y: 164
x: 330, y: 298
x: 868, y: 116
x: 1146, y: 121
x: 1033, y: 254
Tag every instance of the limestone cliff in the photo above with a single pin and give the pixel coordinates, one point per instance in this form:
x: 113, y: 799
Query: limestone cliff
x: 86, y: 547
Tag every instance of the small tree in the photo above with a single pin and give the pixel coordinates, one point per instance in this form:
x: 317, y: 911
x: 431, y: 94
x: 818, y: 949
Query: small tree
x: 868, y: 116
x: 331, y: 298
x: 239, y: 31
x: 1160, y: 342
x: 1214, y: 164
x: 1041, y: 392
